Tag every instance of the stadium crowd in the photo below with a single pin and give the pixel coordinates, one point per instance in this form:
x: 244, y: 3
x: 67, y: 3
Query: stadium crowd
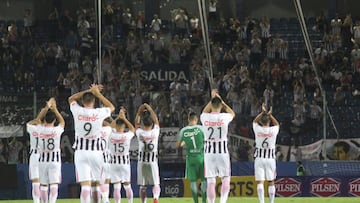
x: 252, y: 64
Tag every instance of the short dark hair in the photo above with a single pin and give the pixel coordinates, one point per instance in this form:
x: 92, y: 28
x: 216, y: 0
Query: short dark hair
x: 192, y: 116
x: 344, y: 145
x: 215, y: 102
x: 88, y: 98
x: 49, y: 117
x: 120, y: 122
x: 147, y: 120
x: 264, y: 119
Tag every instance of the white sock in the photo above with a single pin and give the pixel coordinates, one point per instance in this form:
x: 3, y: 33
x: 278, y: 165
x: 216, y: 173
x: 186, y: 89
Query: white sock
x: 260, y: 190
x: 271, y: 190
x: 85, y: 194
x: 36, y: 192
x: 53, y: 193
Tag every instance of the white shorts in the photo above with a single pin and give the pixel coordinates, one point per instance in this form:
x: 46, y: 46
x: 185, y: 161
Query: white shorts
x: 50, y: 172
x: 105, y: 172
x: 34, y: 166
x: 148, y: 173
x: 120, y: 173
x: 89, y: 165
x: 217, y: 165
x: 265, y: 169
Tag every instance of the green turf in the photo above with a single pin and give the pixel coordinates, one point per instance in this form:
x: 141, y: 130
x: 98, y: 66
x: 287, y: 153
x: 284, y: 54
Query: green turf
x: 231, y: 200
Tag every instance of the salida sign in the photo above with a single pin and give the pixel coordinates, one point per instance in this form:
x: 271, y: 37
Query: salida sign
x: 325, y: 187
x: 165, y: 72
x: 288, y: 187
x: 354, y: 187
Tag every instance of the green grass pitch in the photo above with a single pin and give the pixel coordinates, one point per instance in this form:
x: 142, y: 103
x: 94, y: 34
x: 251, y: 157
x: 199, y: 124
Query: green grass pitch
x: 230, y: 200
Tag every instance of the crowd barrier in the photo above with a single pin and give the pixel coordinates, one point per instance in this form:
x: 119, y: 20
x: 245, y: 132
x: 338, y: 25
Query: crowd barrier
x: 15, y: 183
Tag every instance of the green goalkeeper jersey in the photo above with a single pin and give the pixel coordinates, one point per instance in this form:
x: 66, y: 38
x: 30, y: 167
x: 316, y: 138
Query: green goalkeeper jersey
x: 193, y: 136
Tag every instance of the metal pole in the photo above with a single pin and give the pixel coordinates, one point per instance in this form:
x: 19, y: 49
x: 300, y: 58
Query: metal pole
x: 324, y: 125
x: 99, y: 68
x: 34, y: 105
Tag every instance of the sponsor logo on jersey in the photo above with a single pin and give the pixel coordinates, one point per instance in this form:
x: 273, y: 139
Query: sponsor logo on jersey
x: 92, y: 118
x: 354, y: 187
x: 260, y: 134
x: 287, y: 187
x: 44, y: 135
x: 120, y: 140
x: 325, y: 187
x: 220, y: 122
x: 192, y: 133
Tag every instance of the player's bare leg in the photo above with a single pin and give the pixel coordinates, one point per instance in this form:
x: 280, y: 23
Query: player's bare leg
x: 143, y: 194
x: 85, y: 192
x: 54, y: 191
x: 271, y: 191
x: 225, y: 188
x: 105, y: 191
x: 260, y: 190
x: 117, y: 192
x: 156, y: 193
x: 203, y: 191
x: 211, y: 195
x: 44, y: 193
x: 36, y: 190
x: 129, y: 192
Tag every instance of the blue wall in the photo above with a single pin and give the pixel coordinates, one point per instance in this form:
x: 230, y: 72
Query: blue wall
x: 166, y: 171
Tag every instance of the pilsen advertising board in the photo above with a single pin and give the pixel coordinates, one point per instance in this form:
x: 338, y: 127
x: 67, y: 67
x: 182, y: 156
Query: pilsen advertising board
x: 245, y: 186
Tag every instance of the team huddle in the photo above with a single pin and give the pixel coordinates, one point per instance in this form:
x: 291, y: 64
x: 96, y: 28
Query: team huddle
x: 102, y: 145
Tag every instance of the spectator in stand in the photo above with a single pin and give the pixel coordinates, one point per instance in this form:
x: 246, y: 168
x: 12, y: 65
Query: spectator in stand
x: 212, y: 10
x: 268, y: 95
x: 86, y: 44
x: 194, y: 26
x: 83, y: 27
x: 126, y: 21
x: 108, y: 19
x: 339, y: 96
x: 336, y: 24
x: 140, y: 25
x: 255, y: 56
x: 156, y: 24
x: 346, y: 31
x: 265, y: 31
x: 299, y: 90
x: 181, y: 23
x: 315, y: 114
x: 28, y: 21
x: 14, y: 147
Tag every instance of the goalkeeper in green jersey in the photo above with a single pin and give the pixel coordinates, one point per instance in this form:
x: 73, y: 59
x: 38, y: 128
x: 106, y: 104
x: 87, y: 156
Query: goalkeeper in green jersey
x: 192, y: 137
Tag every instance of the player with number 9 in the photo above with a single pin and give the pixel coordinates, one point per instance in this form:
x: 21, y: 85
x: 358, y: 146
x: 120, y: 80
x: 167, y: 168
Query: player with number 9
x: 216, y: 154
x: 192, y: 137
x: 119, y: 148
x: 148, y: 136
x: 266, y: 128
x: 88, y: 122
x: 48, y: 146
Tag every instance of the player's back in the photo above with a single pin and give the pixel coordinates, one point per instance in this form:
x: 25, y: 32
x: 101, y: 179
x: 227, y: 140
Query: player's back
x: 193, y: 137
x: 215, y: 127
x: 119, y: 143
x: 88, y: 126
x: 49, y: 143
x: 265, y: 140
x: 148, y: 144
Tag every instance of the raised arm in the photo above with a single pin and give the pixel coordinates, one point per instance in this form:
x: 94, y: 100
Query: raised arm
x: 152, y: 113
x: 77, y: 96
x: 272, y: 118
x: 207, y: 108
x: 263, y: 110
x: 138, y: 116
x: 53, y: 107
x: 95, y: 89
x: 122, y: 115
x: 41, y: 114
x: 227, y: 108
